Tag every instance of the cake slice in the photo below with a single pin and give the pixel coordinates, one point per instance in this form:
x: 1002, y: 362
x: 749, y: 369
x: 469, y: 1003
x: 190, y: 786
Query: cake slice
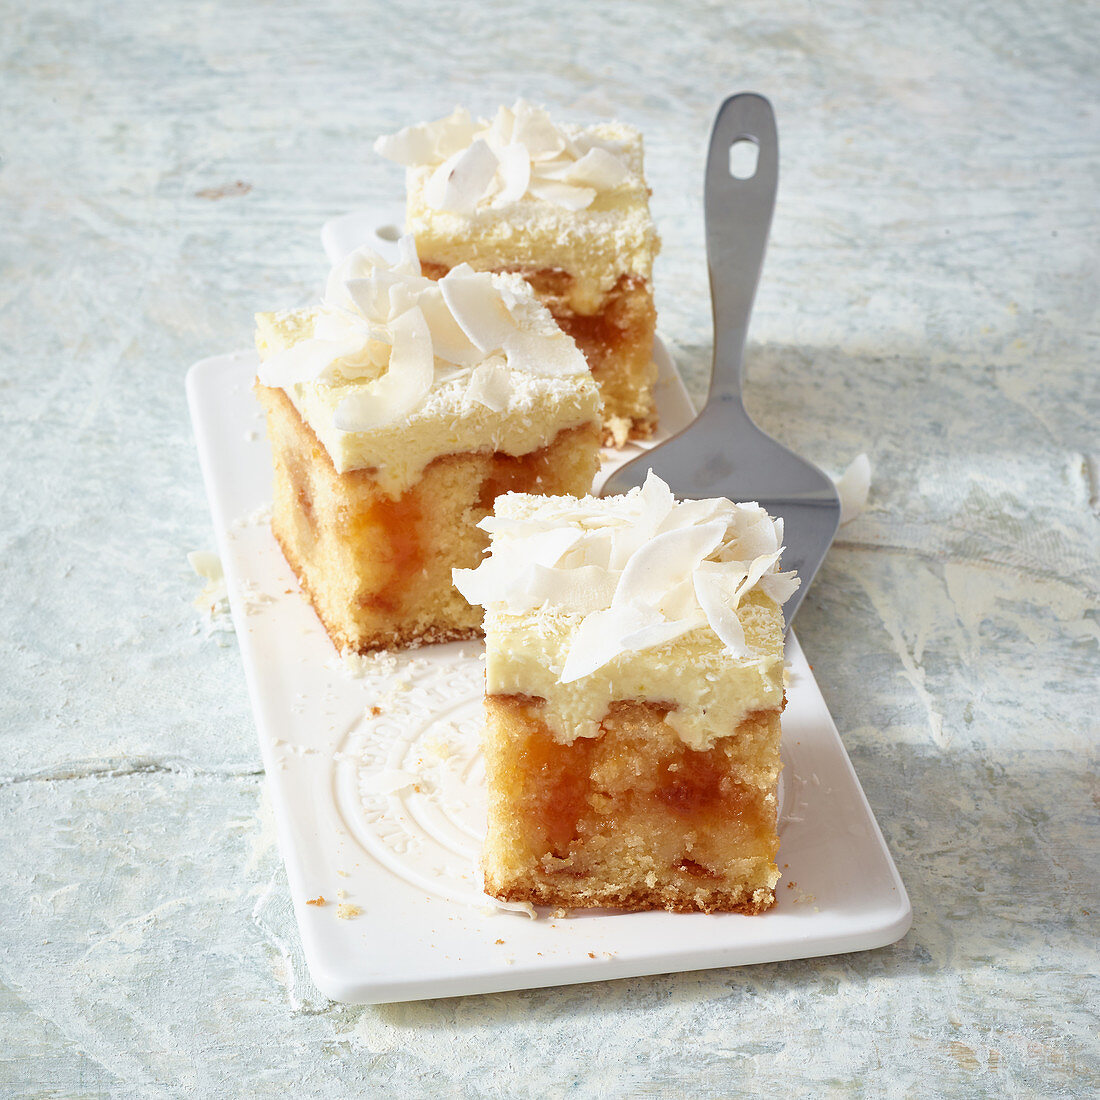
x: 565, y: 206
x: 397, y: 411
x: 634, y: 685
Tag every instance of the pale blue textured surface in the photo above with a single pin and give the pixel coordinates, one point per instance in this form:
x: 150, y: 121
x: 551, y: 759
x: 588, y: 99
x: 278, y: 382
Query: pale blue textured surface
x: 930, y: 297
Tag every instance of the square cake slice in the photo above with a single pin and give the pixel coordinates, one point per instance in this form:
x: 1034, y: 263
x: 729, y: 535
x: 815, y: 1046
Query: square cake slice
x: 397, y: 411
x: 565, y: 206
x: 634, y: 685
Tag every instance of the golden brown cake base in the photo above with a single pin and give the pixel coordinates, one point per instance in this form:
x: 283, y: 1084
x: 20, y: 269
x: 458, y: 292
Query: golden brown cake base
x: 377, y: 569
x: 633, y: 818
x: 617, y: 341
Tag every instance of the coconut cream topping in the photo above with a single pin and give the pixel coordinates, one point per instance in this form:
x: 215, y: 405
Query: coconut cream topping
x: 519, y: 153
x: 394, y: 369
x: 634, y: 597
x: 522, y: 193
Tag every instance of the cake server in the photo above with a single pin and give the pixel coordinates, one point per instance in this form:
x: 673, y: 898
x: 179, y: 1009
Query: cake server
x: 722, y: 452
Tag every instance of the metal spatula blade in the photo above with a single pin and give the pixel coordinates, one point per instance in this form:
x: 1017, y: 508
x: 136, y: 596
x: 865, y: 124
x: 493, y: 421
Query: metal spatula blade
x: 722, y: 452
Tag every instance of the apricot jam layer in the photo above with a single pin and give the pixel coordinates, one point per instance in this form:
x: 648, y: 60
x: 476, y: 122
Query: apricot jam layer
x: 511, y: 474
x: 700, y: 787
x: 601, y: 785
x: 392, y: 529
x: 558, y: 783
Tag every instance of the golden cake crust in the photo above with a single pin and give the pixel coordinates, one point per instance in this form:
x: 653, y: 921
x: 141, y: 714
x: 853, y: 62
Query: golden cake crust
x: 669, y: 898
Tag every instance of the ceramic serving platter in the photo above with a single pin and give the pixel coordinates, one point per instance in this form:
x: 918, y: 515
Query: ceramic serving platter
x: 377, y: 785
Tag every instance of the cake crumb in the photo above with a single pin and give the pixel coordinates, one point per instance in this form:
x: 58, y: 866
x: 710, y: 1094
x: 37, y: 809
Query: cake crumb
x: 261, y: 517
x: 318, y: 900
x: 619, y: 429
x: 524, y: 907
x: 440, y: 749
x: 213, y: 600
x: 591, y: 954
x: 346, y: 911
x: 498, y: 941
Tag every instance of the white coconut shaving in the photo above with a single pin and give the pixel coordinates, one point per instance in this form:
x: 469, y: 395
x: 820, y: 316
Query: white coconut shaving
x: 520, y: 153
x: 853, y: 486
x: 635, y: 572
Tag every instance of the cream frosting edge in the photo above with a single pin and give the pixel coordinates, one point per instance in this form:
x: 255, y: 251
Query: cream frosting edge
x: 398, y: 453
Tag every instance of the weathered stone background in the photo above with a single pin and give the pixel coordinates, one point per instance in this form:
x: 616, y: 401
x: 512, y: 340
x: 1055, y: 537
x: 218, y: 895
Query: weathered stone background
x: 930, y: 297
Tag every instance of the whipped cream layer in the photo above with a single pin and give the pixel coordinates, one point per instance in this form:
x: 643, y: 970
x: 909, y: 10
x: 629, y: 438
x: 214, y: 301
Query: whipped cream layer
x: 394, y: 369
x: 637, y: 597
x: 523, y: 193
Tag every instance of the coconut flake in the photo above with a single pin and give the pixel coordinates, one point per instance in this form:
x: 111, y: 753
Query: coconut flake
x: 500, y: 129
x: 359, y: 264
x: 428, y: 142
x: 550, y: 354
x: 370, y: 294
x: 490, y: 385
x: 562, y: 194
x: 306, y: 361
x: 207, y: 564
x: 688, y: 512
x: 477, y: 308
x: 758, y: 536
x: 534, y: 128
x: 511, y: 562
x: 449, y: 342
x: 598, y: 639
x: 654, y: 504
x: 660, y: 633
x: 462, y: 179
x: 410, y: 146
x: 515, y: 173
x: 597, y: 169
x: 408, y: 262
x: 662, y: 561
x: 853, y: 487
x: 780, y: 586
x: 404, y: 385
x: 544, y: 548
x: 571, y: 590
x: 679, y: 601
x: 716, y: 594
x: 757, y: 568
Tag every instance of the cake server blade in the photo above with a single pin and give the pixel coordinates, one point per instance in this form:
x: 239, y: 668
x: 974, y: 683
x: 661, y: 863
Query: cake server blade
x: 722, y: 452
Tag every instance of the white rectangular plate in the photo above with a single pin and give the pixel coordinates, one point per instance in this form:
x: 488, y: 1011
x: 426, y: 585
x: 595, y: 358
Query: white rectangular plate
x: 376, y: 782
